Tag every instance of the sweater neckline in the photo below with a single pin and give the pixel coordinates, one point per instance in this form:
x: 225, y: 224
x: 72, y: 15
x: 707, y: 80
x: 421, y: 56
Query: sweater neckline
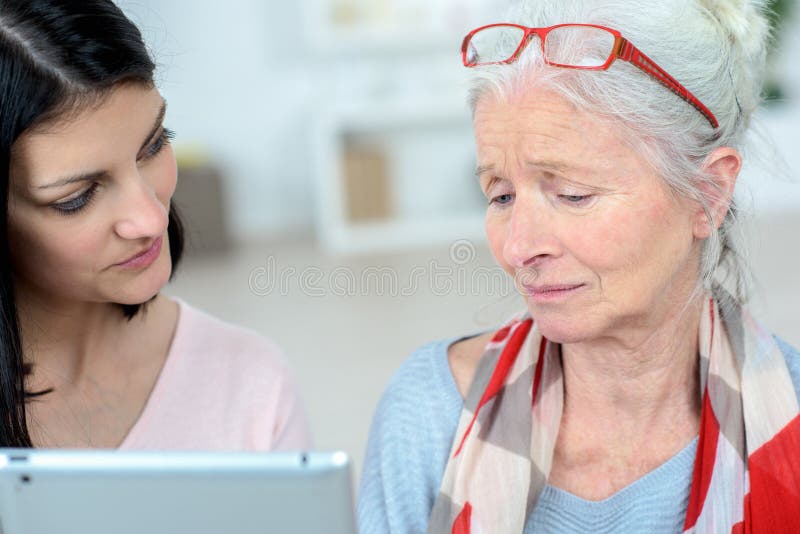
x: 677, y: 466
x: 166, y: 370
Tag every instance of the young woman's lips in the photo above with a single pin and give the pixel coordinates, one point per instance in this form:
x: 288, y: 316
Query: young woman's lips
x: 143, y: 259
x: 552, y: 293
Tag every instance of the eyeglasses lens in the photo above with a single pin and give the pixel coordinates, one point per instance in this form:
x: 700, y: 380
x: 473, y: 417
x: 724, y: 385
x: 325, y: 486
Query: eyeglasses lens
x: 493, y: 44
x: 571, y: 46
x: 579, y: 46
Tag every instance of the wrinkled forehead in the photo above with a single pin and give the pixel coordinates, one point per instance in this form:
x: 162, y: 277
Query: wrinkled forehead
x: 542, y: 125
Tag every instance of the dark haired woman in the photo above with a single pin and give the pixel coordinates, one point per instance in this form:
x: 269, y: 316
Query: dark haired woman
x: 91, y: 354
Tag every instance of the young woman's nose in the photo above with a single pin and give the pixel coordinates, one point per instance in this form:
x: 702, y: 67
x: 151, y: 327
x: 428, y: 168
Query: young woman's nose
x: 141, y: 214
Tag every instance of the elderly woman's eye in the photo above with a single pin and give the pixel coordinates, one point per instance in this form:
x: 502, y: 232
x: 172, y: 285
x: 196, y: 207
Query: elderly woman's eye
x: 576, y: 200
x: 502, y: 199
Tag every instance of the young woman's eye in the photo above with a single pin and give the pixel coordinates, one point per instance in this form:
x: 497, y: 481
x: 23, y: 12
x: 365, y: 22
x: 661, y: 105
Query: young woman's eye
x: 502, y: 200
x: 158, y: 145
x: 75, y: 205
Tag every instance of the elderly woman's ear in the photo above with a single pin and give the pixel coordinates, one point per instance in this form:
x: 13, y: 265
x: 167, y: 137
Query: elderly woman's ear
x: 722, y: 169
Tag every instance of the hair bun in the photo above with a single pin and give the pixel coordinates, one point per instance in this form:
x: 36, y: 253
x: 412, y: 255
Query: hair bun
x: 744, y: 21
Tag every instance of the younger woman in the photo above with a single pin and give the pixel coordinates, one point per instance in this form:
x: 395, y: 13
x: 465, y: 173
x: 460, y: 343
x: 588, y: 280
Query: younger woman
x: 91, y: 354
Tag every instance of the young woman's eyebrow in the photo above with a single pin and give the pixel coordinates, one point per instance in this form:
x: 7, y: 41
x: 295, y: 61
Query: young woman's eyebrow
x: 91, y: 176
x: 96, y: 175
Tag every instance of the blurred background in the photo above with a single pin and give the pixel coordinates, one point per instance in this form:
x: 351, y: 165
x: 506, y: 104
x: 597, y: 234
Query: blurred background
x: 327, y: 179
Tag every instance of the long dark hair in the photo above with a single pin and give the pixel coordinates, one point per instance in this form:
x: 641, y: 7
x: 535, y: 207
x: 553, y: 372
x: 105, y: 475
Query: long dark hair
x: 55, y: 56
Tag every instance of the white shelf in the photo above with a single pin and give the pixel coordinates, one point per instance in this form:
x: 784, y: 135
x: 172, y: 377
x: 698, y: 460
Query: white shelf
x: 396, y: 79
x: 379, y: 115
x: 391, y: 236
x: 375, y: 42
x: 335, y: 232
x: 400, y: 29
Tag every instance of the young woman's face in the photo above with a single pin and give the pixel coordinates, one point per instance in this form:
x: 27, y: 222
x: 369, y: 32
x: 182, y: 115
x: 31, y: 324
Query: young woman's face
x: 89, y: 201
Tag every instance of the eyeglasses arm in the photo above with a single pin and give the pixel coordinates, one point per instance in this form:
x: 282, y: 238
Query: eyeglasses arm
x: 626, y: 51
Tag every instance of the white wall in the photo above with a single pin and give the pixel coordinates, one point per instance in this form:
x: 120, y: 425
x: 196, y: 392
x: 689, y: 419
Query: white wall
x: 240, y: 80
x: 236, y: 82
x: 775, y: 184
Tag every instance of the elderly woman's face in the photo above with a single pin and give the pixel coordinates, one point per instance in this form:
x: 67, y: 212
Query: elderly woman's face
x: 596, y: 241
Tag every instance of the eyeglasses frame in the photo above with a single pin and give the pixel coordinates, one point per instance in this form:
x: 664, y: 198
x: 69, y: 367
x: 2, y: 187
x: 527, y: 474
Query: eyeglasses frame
x: 622, y: 49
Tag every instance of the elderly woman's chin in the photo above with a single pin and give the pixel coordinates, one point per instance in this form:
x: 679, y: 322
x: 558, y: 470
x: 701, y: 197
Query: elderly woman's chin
x: 564, y: 329
x: 568, y: 314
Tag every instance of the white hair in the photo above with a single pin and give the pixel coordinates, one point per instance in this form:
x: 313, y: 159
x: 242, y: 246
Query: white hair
x: 715, y: 48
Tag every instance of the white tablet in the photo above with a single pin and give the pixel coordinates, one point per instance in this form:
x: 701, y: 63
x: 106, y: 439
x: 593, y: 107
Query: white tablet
x: 110, y: 492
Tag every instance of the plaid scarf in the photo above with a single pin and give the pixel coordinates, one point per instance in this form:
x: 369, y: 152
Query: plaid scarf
x: 746, y: 472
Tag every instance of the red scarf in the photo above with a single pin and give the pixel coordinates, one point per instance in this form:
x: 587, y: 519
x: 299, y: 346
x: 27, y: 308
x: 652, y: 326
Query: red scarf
x: 747, y: 469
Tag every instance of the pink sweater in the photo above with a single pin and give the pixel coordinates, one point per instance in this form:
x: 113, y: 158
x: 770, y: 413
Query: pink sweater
x: 222, y: 388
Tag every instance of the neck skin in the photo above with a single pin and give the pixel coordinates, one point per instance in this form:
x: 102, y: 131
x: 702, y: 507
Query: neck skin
x: 629, y: 404
x: 68, y: 341
x: 636, y: 380
x: 102, y: 368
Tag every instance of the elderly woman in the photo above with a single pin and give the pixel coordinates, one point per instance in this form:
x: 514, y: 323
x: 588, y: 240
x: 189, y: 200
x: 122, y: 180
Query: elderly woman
x: 635, y: 394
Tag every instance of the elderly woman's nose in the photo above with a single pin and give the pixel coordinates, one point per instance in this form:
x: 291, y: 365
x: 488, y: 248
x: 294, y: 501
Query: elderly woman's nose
x: 530, y: 238
x: 141, y: 214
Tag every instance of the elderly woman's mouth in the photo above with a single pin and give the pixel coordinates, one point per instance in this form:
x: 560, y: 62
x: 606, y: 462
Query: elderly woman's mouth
x: 549, y: 293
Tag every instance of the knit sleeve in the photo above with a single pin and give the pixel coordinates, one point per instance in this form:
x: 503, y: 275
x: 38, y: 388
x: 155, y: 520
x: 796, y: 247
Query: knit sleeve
x: 409, y: 441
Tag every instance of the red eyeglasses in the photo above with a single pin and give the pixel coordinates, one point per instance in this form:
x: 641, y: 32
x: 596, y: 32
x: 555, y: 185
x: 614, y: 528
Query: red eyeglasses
x: 572, y: 46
